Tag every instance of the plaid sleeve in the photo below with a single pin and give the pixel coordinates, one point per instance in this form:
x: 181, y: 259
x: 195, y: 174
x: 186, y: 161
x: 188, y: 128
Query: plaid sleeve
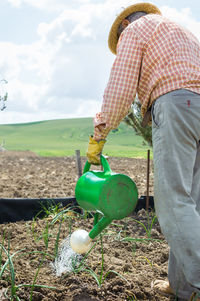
x: 122, y: 85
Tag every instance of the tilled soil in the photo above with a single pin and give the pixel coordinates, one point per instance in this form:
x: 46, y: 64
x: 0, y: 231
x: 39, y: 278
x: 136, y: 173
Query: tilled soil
x: 122, y: 267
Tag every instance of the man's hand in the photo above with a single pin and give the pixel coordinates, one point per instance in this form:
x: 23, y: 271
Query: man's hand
x: 94, y: 150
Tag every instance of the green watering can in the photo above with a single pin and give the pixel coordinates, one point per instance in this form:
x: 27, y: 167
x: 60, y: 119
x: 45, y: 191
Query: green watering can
x: 112, y: 194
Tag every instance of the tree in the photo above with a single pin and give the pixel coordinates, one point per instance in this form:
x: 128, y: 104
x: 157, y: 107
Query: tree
x: 134, y: 119
x: 3, y: 98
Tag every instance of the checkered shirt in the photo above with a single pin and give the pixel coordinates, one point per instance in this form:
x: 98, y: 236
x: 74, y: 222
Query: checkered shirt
x: 154, y: 56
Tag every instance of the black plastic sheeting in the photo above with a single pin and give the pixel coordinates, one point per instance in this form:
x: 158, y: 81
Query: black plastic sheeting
x: 142, y: 203
x: 13, y: 210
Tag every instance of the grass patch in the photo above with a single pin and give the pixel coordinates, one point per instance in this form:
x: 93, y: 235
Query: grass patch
x: 62, y: 137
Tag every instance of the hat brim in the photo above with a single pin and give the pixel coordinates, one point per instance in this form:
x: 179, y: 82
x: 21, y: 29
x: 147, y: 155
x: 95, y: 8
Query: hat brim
x: 143, y: 7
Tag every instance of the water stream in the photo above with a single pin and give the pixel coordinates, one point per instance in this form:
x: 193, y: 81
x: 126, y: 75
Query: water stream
x: 66, y: 258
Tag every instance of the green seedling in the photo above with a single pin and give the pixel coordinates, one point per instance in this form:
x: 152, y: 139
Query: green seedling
x: 149, y: 262
x: 36, y: 275
x: 39, y: 252
x: 46, y: 235
x: 52, y: 210
x: 57, y: 241
x: 117, y: 225
x: 64, y: 215
x: 9, y: 263
x: 134, y: 249
x: 81, y: 266
x: 1, y: 246
x: 77, y: 266
x: 101, y: 277
x: 149, y: 225
x: 15, y: 297
x: 8, y: 268
x: 33, y: 231
x: 86, y: 214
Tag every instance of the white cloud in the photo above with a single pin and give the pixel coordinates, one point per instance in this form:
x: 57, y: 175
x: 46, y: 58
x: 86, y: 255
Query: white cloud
x: 15, y: 3
x: 51, y: 5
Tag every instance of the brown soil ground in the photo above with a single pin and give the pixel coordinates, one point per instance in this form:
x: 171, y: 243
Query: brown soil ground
x: 138, y: 261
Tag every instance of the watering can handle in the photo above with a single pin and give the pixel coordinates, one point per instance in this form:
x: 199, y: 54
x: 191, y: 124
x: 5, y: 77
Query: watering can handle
x: 104, y: 163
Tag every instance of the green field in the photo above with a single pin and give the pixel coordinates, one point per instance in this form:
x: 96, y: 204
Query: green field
x: 62, y: 137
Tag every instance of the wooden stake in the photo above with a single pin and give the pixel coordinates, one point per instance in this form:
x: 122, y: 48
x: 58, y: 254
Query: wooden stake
x: 148, y: 170
x: 78, y: 163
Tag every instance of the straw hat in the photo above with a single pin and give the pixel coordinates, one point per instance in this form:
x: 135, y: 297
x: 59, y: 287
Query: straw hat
x: 143, y: 7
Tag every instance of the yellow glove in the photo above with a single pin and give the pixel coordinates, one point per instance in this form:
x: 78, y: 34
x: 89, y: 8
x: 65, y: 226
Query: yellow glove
x: 94, y: 150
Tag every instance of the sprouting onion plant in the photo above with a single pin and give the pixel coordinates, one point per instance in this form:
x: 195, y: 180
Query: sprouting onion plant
x: 148, y: 230
x: 34, y: 232
x: 64, y: 214
x: 14, y: 288
x: 35, y: 278
x: 148, y: 261
x: 100, y: 278
x: 1, y: 247
x: 57, y: 240
x: 9, y: 267
x: 78, y: 267
x: 149, y: 224
x: 132, y: 298
x: 51, y: 210
x: 45, y: 235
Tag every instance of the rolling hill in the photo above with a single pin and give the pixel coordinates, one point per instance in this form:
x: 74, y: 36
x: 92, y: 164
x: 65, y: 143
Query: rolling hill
x: 62, y: 137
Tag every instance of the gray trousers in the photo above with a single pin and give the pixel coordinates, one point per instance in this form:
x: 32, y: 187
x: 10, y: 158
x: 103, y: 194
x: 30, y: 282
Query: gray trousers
x: 176, y: 148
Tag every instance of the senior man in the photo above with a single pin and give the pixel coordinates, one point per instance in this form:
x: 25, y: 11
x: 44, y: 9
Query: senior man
x: 160, y: 61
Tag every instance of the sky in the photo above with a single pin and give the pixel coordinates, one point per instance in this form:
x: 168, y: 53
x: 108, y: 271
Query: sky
x: 55, y: 57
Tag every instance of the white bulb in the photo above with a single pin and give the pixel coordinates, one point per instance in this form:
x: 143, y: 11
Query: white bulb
x: 80, y: 241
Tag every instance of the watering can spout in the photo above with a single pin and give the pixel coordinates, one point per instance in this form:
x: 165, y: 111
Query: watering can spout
x: 99, y: 226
